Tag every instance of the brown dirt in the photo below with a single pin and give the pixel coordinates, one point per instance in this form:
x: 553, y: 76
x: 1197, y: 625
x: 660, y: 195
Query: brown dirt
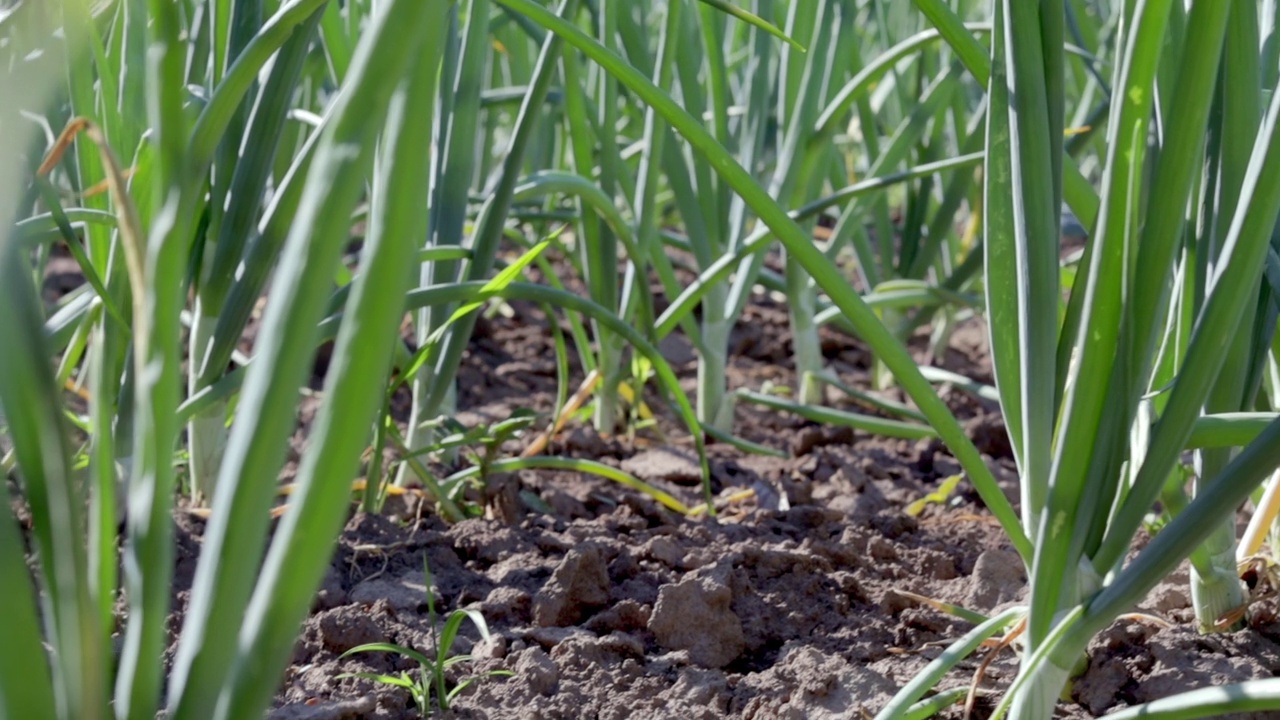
x: 788, y: 605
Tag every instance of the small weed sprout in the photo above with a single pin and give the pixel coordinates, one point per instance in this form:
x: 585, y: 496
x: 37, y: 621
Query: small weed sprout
x: 483, y: 443
x: 431, y: 681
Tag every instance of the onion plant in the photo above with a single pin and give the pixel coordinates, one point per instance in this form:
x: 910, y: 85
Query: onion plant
x: 160, y: 217
x: 911, y: 92
x: 453, y: 177
x: 711, y: 216
x: 781, y: 112
x: 1101, y: 400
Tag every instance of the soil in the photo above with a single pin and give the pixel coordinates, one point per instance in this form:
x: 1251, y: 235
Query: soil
x: 796, y: 601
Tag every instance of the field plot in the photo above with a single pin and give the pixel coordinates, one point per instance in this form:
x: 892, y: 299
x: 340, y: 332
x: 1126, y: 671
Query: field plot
x: 669, y: 358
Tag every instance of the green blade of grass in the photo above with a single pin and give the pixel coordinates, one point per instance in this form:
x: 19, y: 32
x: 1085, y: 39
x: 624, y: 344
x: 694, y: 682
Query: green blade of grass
x: 832, y: 416
x: 397, y: 61
x: 157, y: 277
x: 591, y: 467
x: 451, y: 627
x: 1228, y: 429
x: 26, y: 689
x: 1179, y: 160
x: 67, y: 679
x: 214, y: 118
x: 1218, y: 591
x: 206, y: 435
x: 493, y: 214
x: 1076, y: 189
x: 31, y: 407
x: 719, y: 271
x: 391, y: 648
x: 1247, y: 697
x: 547, y: 182
x: 259, y: 262
x: 751, y: 19
x: 1234, y: 287
x: 1022, y: 257
x: 1098, y: 344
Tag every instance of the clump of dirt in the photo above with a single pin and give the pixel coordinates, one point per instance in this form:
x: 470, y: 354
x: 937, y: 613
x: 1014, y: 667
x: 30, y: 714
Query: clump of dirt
x: 1135, y: 662
x: 762, y: 614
